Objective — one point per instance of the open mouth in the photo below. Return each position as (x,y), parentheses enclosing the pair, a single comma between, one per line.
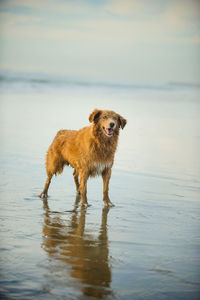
(108,131)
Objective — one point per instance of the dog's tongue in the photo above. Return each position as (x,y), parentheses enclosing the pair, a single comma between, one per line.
(110,131)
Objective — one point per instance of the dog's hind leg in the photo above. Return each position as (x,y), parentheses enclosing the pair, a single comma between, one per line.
(75,174)
(44,193)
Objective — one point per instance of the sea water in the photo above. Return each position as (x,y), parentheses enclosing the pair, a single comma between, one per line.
(147,246)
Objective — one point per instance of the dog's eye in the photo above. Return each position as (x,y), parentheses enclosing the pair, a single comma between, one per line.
(105,117)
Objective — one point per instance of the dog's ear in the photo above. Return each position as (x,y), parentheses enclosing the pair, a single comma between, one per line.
(122,122)
(94,115)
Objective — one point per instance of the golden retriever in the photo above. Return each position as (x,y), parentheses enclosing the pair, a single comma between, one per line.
(90,151)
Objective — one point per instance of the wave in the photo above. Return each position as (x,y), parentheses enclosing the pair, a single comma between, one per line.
(19,81)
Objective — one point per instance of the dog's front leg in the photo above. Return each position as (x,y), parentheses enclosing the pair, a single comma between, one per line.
(75,174)
(83,188)
(106,178)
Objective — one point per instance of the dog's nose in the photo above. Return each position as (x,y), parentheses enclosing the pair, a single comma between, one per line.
(112,125)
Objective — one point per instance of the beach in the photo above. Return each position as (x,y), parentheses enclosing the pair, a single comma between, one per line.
(147,246)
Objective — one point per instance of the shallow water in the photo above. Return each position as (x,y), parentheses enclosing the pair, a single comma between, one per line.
(147,246)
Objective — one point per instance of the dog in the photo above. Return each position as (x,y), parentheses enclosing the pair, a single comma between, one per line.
(90,151)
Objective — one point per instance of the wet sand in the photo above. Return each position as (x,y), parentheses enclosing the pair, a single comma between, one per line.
(147,246)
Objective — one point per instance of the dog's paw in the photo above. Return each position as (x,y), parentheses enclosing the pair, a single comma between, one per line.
(108,203)
(43,195)
(85,204)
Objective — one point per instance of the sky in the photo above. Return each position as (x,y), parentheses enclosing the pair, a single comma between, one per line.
(123,41)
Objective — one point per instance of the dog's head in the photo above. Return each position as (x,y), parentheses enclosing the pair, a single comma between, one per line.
(108,121)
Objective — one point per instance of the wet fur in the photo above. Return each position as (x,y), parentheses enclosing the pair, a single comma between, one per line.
(88,150)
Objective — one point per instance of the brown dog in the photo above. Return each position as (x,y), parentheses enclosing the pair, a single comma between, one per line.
(90,151)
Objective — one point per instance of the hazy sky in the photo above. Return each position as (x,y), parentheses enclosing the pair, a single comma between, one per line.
(114,40)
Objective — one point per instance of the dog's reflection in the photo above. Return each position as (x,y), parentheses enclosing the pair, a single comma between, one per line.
(86,253)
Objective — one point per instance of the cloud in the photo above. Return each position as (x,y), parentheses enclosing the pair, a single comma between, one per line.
(135,37)
(117,21)
(160,20)
(166,27)
(50,8)
(135,8)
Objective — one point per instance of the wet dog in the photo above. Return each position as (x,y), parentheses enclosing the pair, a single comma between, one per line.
(90,151)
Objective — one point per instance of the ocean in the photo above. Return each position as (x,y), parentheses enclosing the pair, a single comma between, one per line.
(147,246)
